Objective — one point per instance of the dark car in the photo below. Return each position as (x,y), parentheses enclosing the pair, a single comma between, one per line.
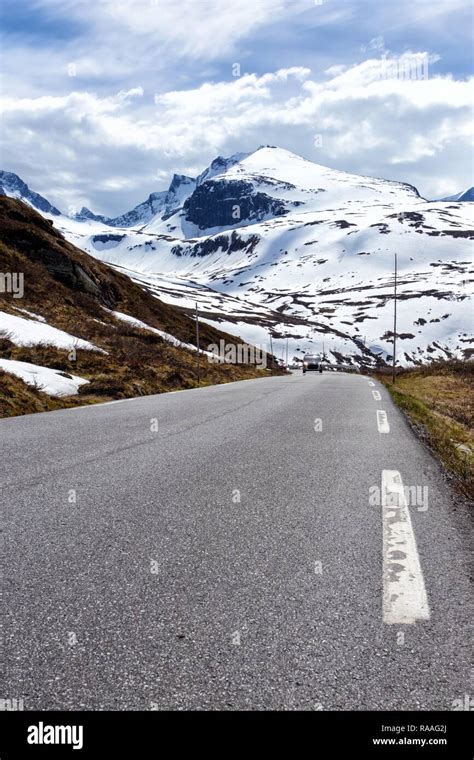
(312,363)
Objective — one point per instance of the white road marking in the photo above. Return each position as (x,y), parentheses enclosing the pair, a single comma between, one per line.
(382,421)
(118,401)
(376,395)
(162,395)
(371,383)
(100,404)
(404,593)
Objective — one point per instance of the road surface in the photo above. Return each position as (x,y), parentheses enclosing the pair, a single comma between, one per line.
(232,547)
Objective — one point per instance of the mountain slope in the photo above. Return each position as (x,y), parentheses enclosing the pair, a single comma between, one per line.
(268,183)
(80,318)
(12,186)
(162,204)
(463,197)
(271,242)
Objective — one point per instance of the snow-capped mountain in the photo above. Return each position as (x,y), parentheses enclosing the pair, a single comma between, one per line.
(465,195)
(162,205)
(249,188)
(270,243)
(85,214)
(14,187)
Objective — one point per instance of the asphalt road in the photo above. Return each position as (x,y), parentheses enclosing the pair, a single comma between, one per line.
(223,548)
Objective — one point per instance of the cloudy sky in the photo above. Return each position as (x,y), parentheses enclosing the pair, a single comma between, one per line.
(103,100)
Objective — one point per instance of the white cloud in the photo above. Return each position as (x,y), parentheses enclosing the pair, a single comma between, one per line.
(204,29)
(109,151)
(199,29)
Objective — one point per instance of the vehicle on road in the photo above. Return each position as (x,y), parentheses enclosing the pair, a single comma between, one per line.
(312,363)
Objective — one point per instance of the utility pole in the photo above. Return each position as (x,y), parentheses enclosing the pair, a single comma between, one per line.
(287,353)
(197,346)
(271,348)
(394,322)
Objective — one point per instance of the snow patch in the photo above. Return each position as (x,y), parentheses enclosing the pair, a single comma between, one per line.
(166,336)
(28,332)
(45,379)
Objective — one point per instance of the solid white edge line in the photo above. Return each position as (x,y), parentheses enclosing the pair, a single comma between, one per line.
(404,594)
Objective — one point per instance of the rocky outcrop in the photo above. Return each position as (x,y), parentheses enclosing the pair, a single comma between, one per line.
(228,203)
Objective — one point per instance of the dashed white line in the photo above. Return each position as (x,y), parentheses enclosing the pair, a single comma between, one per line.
(382,421)
(377,395)
(371,383)
(404,594)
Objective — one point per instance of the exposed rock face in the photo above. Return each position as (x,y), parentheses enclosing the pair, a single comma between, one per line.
(179,190)
(221,204)
(227,244)
(35,237)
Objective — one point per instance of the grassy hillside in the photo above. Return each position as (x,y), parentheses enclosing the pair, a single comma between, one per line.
(75,293)
(439,401)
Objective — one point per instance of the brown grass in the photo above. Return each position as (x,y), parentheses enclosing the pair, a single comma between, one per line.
(439,401)
(72,291)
